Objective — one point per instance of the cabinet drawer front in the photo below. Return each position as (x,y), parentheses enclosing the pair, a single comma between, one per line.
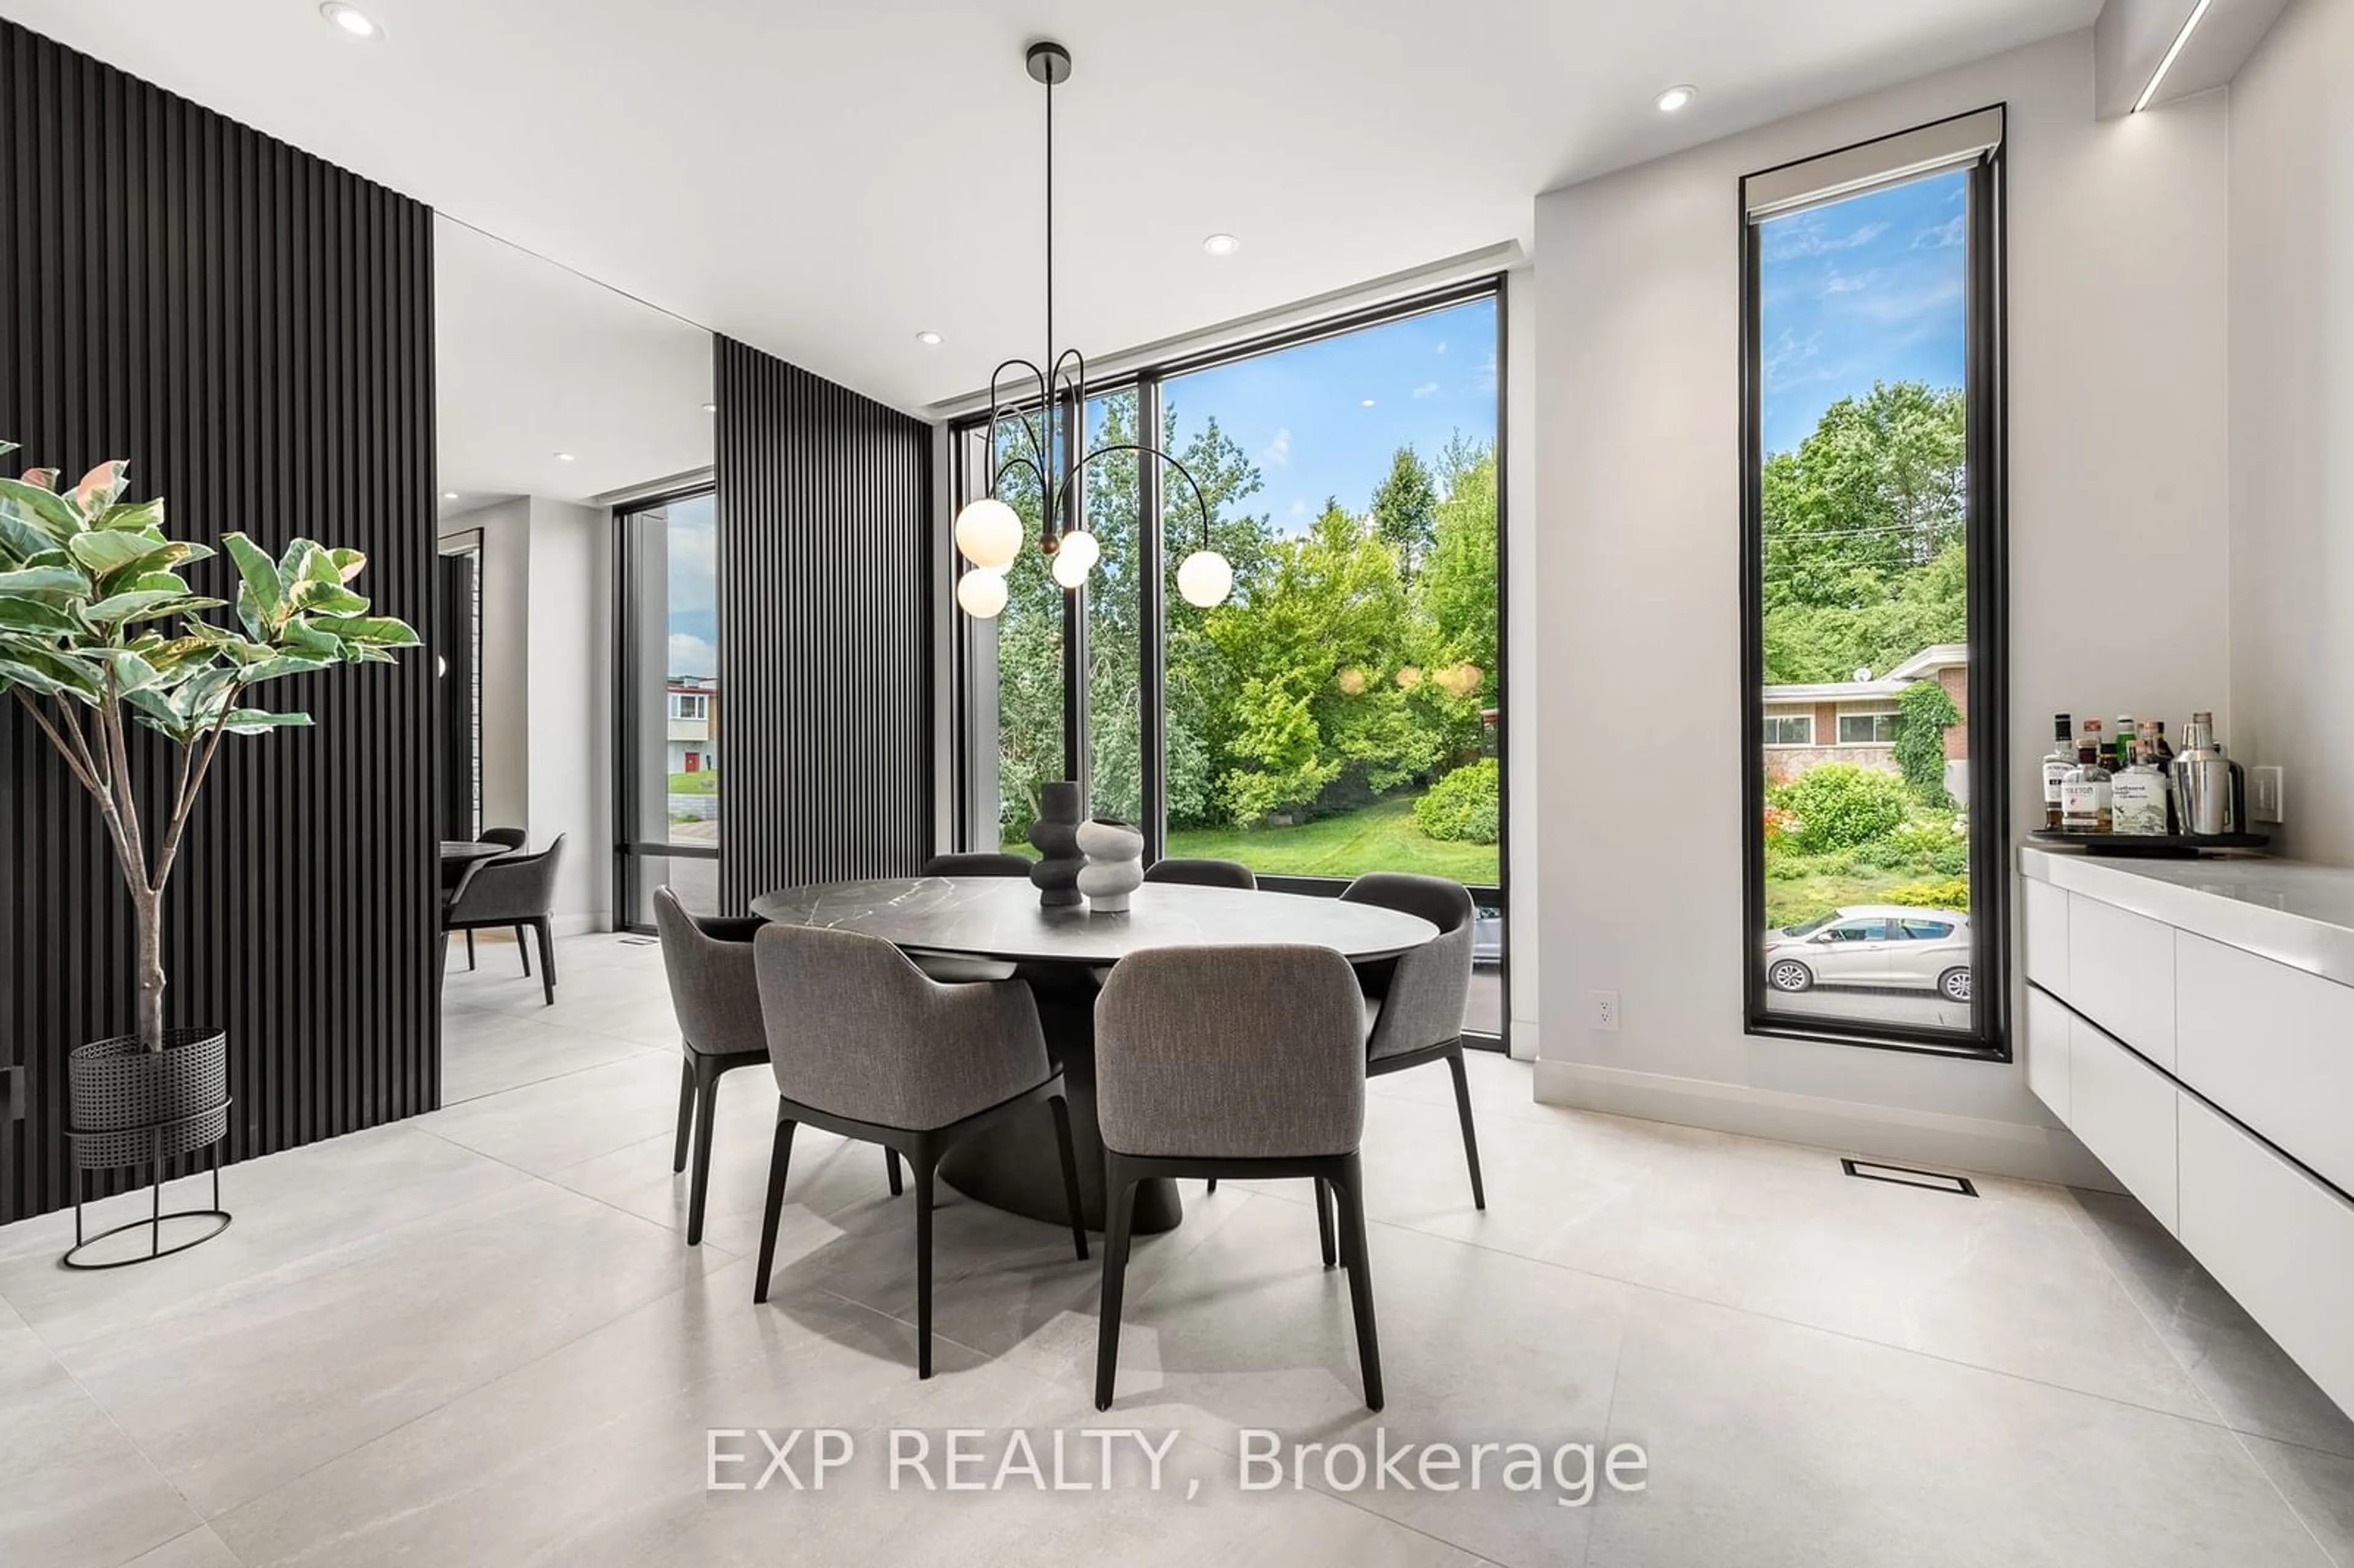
(2124,1111)
(2045,913)
(2121,974)
(2272,1045)
(2280,1242)
(2048,1029)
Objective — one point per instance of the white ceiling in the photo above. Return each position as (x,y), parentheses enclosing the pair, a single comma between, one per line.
(531,360)
(826,181)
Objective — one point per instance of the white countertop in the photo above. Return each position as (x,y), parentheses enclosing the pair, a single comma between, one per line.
(2288,911)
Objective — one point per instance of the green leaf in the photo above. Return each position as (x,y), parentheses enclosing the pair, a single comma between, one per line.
(50,672)
(146,604)
(136,514)
(326,597)
(46,508)
(131,673)
(349,564)
(100,488)
(260,575)
(255,721)
(300,636)
(35,616)
(282,664)
(106,553)
(45,580)
(383,630)
(309,561)
(20,537)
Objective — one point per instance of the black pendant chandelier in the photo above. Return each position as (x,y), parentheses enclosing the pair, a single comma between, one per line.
(1049,407)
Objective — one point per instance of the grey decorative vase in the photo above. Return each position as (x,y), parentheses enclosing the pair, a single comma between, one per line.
(129,1105)
(1055,836)
(1115,869)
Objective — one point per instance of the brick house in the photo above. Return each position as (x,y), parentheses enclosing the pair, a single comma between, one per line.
(1855,721)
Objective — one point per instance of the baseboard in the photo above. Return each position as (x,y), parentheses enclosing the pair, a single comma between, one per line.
(1523,1040)
(576,925)
(1929,1138)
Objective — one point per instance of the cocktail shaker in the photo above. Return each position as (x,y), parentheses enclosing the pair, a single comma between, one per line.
(2206,789)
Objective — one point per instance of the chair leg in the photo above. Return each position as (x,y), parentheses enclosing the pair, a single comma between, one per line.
(470,947)
(686,1112)
(1119,1196)
(707,1095)
(1070,1173)
(524,949)
(1324,1219)
(891,1163)
(1214,1184)
(923,1164)
(781,1154)
(547,959)
(1352,1195)
(1470,1138)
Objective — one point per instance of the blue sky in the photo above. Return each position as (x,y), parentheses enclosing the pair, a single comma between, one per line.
(694,596)
(1303,414)
(1869,289)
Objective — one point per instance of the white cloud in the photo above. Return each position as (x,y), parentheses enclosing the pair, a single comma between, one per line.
(1808,235)
(1426,389)
(691,655)
(1299,508)
(1945,236)
(1278,449)
(1848,282)
(1442,346)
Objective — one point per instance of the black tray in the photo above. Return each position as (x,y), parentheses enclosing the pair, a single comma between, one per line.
(2161,846)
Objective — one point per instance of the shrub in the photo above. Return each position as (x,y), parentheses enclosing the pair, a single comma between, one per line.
(1462,808)
(1924,715)
(1952,894)
(1839,806)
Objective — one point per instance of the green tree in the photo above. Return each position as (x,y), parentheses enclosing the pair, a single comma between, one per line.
(1406,510)
(1455,600)
(1924,713)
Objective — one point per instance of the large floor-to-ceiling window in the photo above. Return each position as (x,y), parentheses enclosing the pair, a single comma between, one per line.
(1342,713)
(670,747)
(1872,553)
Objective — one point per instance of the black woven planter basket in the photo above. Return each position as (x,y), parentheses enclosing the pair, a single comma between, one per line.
(128,1105)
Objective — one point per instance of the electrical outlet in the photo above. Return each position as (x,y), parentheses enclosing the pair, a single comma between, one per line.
(2264,794)
(1606,1010)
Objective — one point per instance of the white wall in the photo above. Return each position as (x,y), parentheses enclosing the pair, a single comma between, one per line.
(548,703)
(1521,672)
(2119,488)
(2292,306)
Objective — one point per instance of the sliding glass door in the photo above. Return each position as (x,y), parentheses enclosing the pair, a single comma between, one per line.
(670,747)
(1342,713)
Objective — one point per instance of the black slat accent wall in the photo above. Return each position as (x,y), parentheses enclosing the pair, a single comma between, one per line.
(826,630)
(253,329)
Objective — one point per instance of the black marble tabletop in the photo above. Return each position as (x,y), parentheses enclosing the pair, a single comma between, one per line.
(1000,917)
(467,849)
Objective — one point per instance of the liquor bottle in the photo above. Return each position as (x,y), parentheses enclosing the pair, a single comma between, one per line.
(2165,747)
(2056,765)
(2121,738)
(2137,794)
(2160,756)
(2084,803)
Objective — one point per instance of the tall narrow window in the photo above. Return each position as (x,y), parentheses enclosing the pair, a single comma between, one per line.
(671,745)
(1874,676)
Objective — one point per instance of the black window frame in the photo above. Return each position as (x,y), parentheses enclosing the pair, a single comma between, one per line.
(1148,381)
(1985,400)
(630,853)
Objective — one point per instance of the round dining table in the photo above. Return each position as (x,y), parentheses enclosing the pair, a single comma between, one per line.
(1060,953)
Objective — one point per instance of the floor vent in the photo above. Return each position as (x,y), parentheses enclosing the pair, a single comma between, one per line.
(1905,1176)
(640,942)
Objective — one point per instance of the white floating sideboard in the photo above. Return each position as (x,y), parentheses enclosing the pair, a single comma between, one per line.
(2192,1022)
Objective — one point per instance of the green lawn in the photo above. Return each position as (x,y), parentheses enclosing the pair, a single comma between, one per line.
(705,782)
(1382,837)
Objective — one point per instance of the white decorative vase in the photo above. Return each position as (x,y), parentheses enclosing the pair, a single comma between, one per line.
(1115,867)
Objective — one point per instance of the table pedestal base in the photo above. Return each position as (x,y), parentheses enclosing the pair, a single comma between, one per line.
(1014,1166)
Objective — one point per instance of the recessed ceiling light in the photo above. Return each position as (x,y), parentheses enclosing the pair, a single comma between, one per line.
(350,19)
(1221,245)
(2173,53)
(1676,97)
(563,457)
(448,495)
(928,339)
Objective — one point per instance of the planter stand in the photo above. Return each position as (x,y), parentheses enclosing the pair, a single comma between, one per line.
(156,1215)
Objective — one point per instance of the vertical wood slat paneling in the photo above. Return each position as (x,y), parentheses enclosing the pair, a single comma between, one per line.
(825,500)
(252,328)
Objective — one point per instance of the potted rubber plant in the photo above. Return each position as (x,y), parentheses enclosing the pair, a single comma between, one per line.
(99,631)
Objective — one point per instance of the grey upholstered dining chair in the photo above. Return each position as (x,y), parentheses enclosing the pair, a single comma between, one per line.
(979,864)
(505,838)
(1242,1061)
(513,890)
(864,1044)
(1415,1004)
(513,838)
(1203,872)
(716,993)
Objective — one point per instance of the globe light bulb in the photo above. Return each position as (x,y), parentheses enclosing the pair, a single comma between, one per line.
(989,531)
(1204,579)
(1071,571)
(1079,547)
(981,594)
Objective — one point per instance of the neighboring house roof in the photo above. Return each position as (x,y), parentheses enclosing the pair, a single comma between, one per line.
(1921,666)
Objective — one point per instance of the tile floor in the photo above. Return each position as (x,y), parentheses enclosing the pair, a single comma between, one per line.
(477,1338)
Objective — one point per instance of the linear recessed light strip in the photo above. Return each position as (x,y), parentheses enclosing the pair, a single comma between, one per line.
(2174,50)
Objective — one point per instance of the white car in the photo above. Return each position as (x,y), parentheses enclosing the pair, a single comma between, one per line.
(1874,944)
